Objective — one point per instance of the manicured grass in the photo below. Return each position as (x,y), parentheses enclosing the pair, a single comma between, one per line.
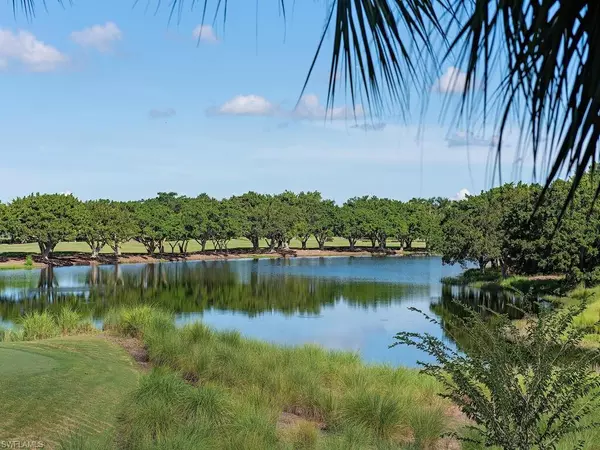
(221,391)
(136,247)
(590,318)
(52,388)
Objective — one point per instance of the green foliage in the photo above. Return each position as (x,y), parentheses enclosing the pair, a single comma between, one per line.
(28,262)
(45,325)
(11,335)
(136,321)
(43,218)
(105,222)
(229,392)
(522,388)
(39,326)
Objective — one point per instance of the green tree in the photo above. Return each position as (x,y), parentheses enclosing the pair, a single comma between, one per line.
(44,218)
(351,222)
(196,218)
(254,209)
(151,220)
(176,234)
(322,222)
(225,222)
(104,222)
(308,210)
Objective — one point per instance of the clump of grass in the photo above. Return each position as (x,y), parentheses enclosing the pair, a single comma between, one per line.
(11,335)
(68,320)
(39,325)
(384,415)
(137,320)
(230,392)
(28,262)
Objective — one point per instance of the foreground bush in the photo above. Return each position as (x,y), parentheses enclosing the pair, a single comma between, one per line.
(523,389)
(45,325)
(137,320)
(218,390)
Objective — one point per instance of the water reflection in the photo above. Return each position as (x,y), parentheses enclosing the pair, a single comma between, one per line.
(193,287)
(342,303)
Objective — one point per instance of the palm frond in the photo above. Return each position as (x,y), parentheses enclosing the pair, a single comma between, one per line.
(548,55)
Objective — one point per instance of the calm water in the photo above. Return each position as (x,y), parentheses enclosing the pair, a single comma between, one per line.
(355,304)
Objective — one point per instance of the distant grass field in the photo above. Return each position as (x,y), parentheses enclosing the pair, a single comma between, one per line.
(52,388)
(136,247)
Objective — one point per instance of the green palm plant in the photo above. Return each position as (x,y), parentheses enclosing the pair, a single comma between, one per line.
(531,62)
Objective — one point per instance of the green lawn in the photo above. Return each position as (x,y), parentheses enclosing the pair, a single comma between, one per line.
(53,388)
(136,247)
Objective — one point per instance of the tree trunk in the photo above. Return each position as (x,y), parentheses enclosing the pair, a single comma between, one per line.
(352,244)
(203,245)
(373,243)
(304,243)
(46,248)
(321,243)
(117,250)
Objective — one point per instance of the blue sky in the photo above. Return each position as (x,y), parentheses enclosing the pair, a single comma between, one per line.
(108,100)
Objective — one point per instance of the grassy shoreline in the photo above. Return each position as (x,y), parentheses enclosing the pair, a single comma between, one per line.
(217,390)
(551,288)
(194,387)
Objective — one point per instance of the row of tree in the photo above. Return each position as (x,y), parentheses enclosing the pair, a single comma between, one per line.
(174,220)
(520,229)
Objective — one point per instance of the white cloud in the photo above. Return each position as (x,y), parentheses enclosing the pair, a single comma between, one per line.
(99,37)
(247,105)
(453,80)
(461,195)
(309,108)
(25,48)
(205,33)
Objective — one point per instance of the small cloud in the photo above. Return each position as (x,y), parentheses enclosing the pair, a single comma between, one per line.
(461,195)
(461,139)
(370,126)
(453,80)
(161,113)
(99,37)
(23,47)
(309,108)
(205,33)
(247,105)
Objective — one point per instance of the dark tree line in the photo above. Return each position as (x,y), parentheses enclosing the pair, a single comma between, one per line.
(510,229)
(169,222)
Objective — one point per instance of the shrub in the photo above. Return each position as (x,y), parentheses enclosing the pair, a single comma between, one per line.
(11,335)
(522,388)
(137,320)
(68,320)
(39,326)
(28,262)
(382,414)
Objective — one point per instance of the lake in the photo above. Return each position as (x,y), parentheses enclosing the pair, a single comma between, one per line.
(355,304)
